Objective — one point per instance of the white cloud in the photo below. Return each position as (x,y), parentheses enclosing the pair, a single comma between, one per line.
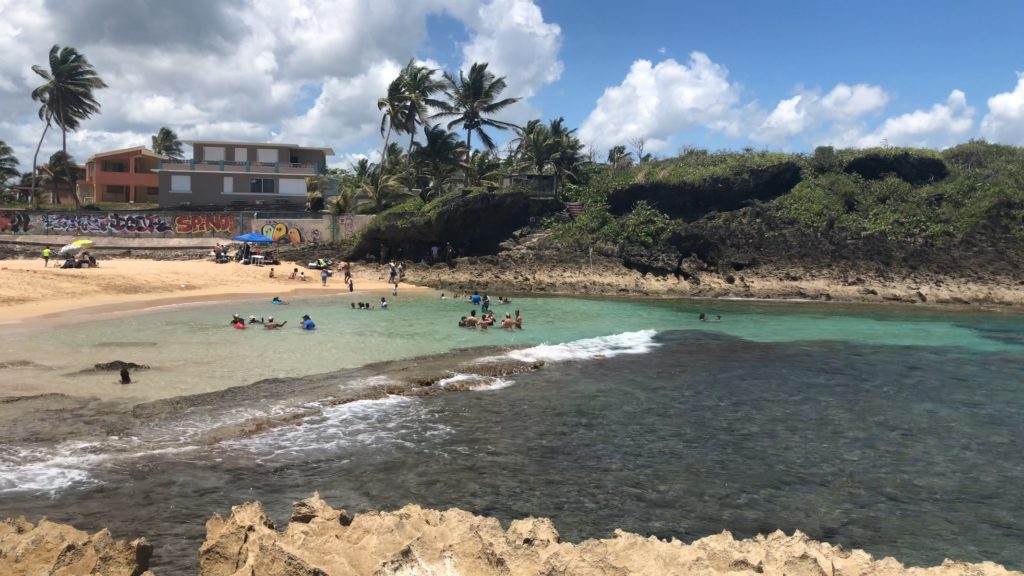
(512,36)
(658,101)
(808,110)
(1005,119)
(248,69)
(941,126)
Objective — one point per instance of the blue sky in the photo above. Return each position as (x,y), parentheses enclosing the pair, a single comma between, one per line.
(728,74)
(917,51)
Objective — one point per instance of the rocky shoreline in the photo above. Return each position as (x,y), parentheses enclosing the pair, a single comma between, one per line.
(324,541)
(525,272)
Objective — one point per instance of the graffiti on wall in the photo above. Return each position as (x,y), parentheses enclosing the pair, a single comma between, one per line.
(14,222)
(289,234)
(112,223)
(203,223)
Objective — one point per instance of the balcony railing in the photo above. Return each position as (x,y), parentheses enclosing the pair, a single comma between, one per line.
(254,167)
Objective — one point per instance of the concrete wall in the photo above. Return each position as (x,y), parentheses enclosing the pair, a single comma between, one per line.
(297,229)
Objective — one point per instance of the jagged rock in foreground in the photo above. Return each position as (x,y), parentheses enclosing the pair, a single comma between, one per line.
(61,550)
(413,541)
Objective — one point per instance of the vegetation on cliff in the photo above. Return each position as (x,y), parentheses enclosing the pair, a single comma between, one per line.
(771,206)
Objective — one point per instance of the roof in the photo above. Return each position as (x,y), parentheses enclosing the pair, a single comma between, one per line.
(326,151)
(140,149)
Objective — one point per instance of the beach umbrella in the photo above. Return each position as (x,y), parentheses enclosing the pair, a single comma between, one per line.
(83,243)
(70,249)
(253,237)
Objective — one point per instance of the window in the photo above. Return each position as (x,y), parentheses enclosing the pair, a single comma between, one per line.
(293,186)
(213,153)
(229,184)
(261,185)
(114,167)
(267,155)
(181,183)
(241,154)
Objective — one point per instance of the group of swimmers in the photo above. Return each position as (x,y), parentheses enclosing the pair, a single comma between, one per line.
(368,306)
(703,318)
(239,324)
(487,320)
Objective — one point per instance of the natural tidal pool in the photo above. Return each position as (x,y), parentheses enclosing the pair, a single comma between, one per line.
(892,429)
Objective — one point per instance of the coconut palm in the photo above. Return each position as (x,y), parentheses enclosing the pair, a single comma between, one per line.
(8,164)
(344,202)
(485,169)
(418,89)
(394,114)
(619,158)
(439,156)
(316,188)
(472,98)
(61,170)
(568,152)
(67,93)
(380,186)
(166,142)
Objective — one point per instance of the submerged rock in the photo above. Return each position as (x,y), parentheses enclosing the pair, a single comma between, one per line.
(415,541)
(50,548)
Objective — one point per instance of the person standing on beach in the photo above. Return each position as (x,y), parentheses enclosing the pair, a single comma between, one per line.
(351,286)
(46,256)
(323,277)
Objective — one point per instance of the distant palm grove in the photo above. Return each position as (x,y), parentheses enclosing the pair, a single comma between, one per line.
(438,142)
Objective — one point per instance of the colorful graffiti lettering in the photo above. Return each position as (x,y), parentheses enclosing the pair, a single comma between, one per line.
(109,223)
(285,234)
(14,222)
(203,223)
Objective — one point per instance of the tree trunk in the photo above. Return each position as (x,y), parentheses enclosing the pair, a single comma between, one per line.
(469,148)
(67,165)
(384,151)
(408,159)
(35,160)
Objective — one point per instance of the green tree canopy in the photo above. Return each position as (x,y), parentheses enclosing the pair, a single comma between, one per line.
(166,142)
(66,96)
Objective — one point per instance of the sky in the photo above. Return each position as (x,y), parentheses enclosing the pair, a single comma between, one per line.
(731,74)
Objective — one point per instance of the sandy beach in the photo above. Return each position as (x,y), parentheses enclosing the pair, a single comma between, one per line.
(27,290)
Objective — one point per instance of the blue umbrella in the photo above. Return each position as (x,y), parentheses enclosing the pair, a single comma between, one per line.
(253,237)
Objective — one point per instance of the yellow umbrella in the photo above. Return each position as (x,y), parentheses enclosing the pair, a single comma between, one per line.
(82,243)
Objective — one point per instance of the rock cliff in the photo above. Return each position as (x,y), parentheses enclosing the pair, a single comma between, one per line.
(61,550)
(321,540)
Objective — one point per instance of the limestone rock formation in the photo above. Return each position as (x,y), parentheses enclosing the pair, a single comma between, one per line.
(414,541)
(61,550)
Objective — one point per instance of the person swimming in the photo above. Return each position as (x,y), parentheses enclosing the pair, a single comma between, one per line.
(254,320)
(277,300)
(383,303)
(508,323)
(307,323)
(271,325)
(126,378)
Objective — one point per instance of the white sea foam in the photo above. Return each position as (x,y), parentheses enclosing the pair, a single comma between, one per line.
(476,382)
(49,470)
(374,422)
(639,342)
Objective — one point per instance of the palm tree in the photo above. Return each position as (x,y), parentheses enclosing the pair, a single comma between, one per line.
(166,142)
(472,98)
(619,158)
(344,202)
(379,186)
(394,114)
(567,152)
(67,93)
(316,188)
(60,170)
(8,164)
(485,169)
(418,89)
(439,155)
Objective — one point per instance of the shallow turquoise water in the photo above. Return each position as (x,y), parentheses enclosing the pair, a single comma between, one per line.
(192,348)
(893,429)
